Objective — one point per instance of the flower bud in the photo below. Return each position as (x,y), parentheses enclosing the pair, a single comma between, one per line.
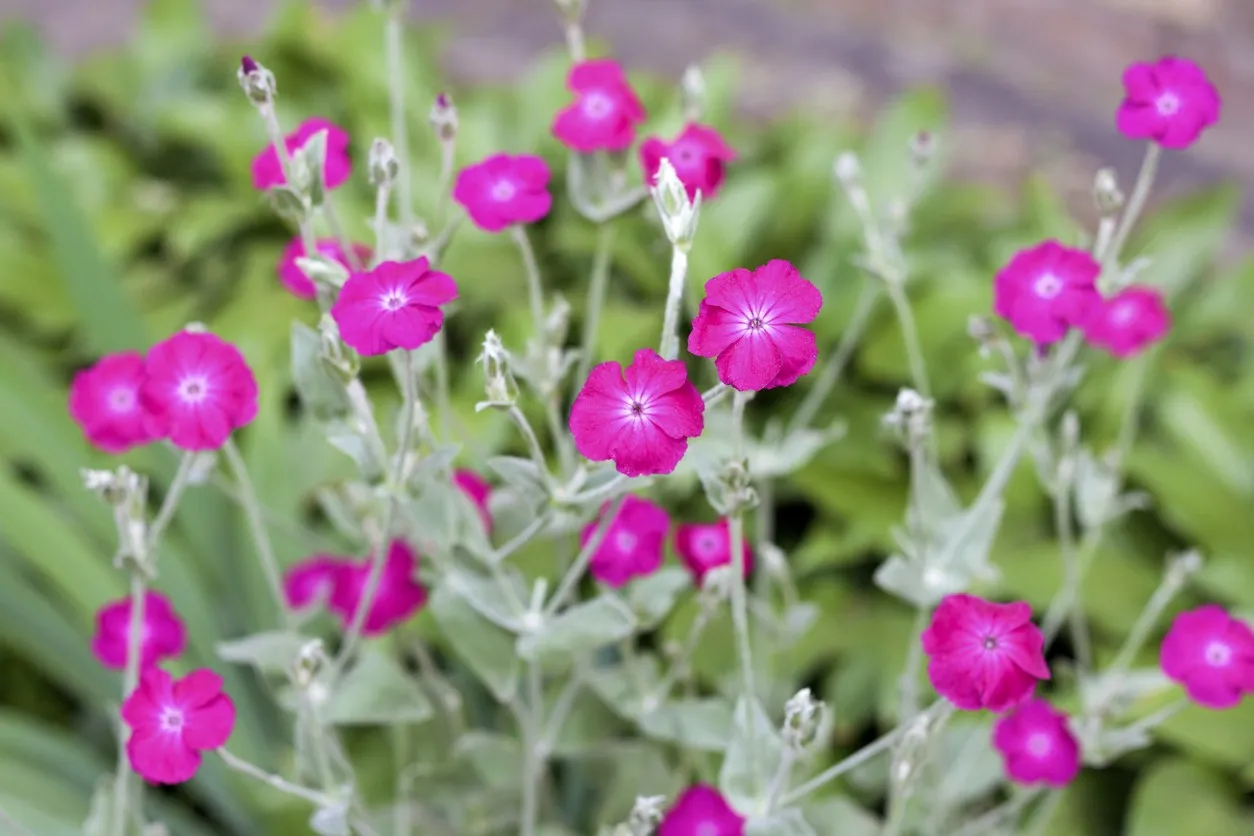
(382,163)
(256,81)
(646,814)
(116,487)
(309,662)
(1183,566)
(499,385)
(802,714)
(1106,193)
(693,93)
(443,118)
(679,215)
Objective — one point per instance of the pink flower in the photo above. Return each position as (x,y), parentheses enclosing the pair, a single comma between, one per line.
(1047,289)
(398,596)
(478,489)
(1037,746)
(197,390)
(634,544)
(1170,102)
(503,191)
(395,305)
(294,278)
(104,401)
(268,170)
(173,721)
(705,546)
(984,655)
(312,581)
(701,811)
(1211,654)
(1129,321)
(605,112)
(698,155)
(163,634)
(642,423)
(747,322)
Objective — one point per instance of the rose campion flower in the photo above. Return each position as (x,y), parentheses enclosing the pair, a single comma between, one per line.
(701,811)
(699,156)
(705,546)
(1128,322)
(1047,289)
(104,402)
(640,418)
(164,636)
(605,112)
(197,390)
(173,721)
(984,655)
(748,323)
(268,169)
(634,544)
(1211,654)
(478,489)
(398,596)
(294,278)
(503,191)
(1036,746)
(1169,102)
(312,581)
(395,305)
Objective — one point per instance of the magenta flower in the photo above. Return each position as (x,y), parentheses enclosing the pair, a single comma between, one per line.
(163,634)
(984,655)
(395,305)
(1170,102)
(311,582)
(104,402)
(198,389)
(605,112)
(1036,745)
(1047,289)
(1211,654)
(748,323)
(398,596)
(633,545)
(294,278)
(699,155)
(268,169)
(1128,322)
(503,191)
(643,422)
(701,811)
(705,546)
(173,721)
(478,489)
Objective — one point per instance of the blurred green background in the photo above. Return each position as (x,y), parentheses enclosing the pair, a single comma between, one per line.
(126,211)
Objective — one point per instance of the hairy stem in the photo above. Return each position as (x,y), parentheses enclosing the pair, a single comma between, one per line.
(835,367)
(533,758)
(257,528)
(534,292)
(739,594)
(910,335)
(393,34)
(674,301)
(576,571)
(858,758)
(284,786)
(130,679)
(597,288)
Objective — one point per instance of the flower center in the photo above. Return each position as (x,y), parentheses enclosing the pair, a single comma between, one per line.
(625,541)
(1168,104)
(707,828)
(637,409)
(393,300)
(1047,286)
(596,105)
(193,389)
(1038,745)
(1218,654)
(171,719)
(707,544)
(1123,314)
(503,190)
(990,642)
(685,155)
(122,400)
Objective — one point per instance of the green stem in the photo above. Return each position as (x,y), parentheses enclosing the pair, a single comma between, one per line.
(674,300)
(857,759)
(1072,586)
(1136,204)
(534,450)
(596,299)
(257,527)
(1167,590)
(1040,819)
(1000,814)
(393,34)
(910,676)
(910,335)
(533,759)
(679,665)
(780,779)
(339,233)
(739,596)
(534,292)
(835,367)
(130,680)
(382,198)
(243,767)
(576,571)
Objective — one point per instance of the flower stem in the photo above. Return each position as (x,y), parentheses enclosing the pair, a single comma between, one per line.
(130,679)
(674,301)
(534,292)
(739,595)
(533,442)
(243,767)
(910,335)
(1136,204)
(1167,589)
(1002,813)
(1072,587)
(170,504)
(338,231)
(257,527)
(780,779)
(910,675)
(393,35)
(835,367)
(533,758)
(858,758)
(577,569)
(596,298)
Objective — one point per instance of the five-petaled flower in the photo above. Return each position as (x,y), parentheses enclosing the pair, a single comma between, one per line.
(1169,102)
(295,279)
(984,655)
(705,546)
(640,418)
(701,811)
(1128,322)
(634,542)
(104,402)
(503,191)
(197,390)
(162,635)
(173,721)
(268,168)
(398,595)
(699,155)
(748,323)
(1211,654)
(1045,290)
(395,305)
(1036,746)
(605,112)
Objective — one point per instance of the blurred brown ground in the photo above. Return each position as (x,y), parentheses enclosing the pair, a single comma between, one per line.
(1033,83)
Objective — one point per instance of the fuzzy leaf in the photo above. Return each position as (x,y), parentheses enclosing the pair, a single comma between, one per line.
(581,629)
(377,691)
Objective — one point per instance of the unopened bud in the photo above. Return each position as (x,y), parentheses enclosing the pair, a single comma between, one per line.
(382,163)
(1106,193)
(716,585)
(802,714)
(848,170)
(116,487)
(499,385)
(1183,566)
(692,90)
(679,214)
(309,663)
(256,81)
(646,813)
(557,324)
(443,117)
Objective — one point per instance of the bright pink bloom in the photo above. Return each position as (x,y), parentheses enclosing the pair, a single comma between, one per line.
(398,596)
(268,170)
(1047,289)
(1036,745)
(705,546)
(747,323)
(698,155)
(163,634)
(198,389)
(478,489)
(173,721)
(395,305)
(312,581)
(1129,321)
(633,546)
(503,191)
(104,402)
(294,278)
(984,655)
(1211,654)
(701,811)
(1170,102)
(642,423)
(605,112)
